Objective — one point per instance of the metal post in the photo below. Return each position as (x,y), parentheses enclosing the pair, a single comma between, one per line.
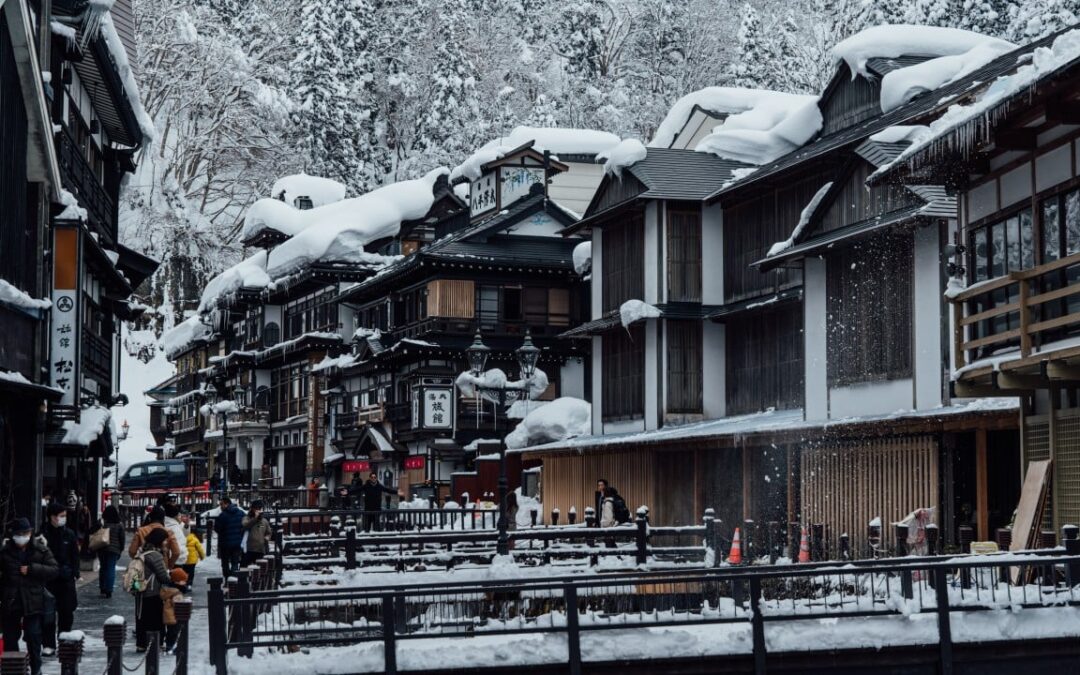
(641,539)
(941,592)
(243,611)
(1070,535)
(757,624)
(503,547)
(571,517)
(225,443)
(532,517)
(817,546)
(15,662)
(710,540)
(183,616)
(967,535)
(748,541)
(901,532)
(932,537)
(153,652)
(69,654)
(845,547)
(350,549)
(215,620)
(554,517)
(573,632)
(115,632)
(389,635)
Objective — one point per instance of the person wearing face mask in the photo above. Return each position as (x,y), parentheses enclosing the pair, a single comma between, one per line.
(64,545)
(26,565)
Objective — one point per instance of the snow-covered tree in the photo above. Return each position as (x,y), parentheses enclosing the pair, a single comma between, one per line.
(1033,19)
(750,66)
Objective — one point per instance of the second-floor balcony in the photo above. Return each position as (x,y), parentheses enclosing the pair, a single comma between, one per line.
(81,180)
(242,422)
(1020,322)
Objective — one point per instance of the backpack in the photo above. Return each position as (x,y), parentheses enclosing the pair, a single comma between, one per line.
(620,510)
(135,575)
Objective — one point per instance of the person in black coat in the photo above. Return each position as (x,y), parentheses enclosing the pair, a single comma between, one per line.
(371,494)
(26,565)
(64,544)
(229,527)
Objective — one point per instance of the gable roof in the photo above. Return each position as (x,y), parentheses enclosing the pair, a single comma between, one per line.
(921,107)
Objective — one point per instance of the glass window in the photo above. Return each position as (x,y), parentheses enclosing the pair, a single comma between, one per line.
(997,250)
(1012,251)
(1072,222)
(1051,229)
(512,304)
(488,306)
(1027,241)
(981,260)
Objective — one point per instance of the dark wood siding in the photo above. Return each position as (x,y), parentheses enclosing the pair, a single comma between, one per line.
(623,367)
(623,260)
(765,360)
(616,191)
(684,367)
(124,21)
(750,230)
(849,101)
(855,202)
(684,253)
(869,306)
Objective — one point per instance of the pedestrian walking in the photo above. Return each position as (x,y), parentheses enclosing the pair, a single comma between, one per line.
(176,529)
(372,492)
(313,494)
(257,533)
(26,565)
(155,520)
(195,551)
(109,554)
(149,607)
(598,497)
(229,527)
(64,544)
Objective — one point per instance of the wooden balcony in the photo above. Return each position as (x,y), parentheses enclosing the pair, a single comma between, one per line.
(80,179)
(354,419)
(1018,332)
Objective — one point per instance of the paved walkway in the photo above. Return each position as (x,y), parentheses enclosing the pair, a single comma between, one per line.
(94,610)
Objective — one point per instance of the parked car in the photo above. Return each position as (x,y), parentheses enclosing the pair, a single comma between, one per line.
(166,473)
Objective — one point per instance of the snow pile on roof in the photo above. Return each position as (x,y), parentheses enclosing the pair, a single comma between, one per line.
(804,219)
(248,273)
(555,140)
(338,232)
(768,124)
(889,41)
(328,362)
(468,383)
(10,295)
(91,425)
(1044,61)
(219,408)
(628,152)
(183,334)
(321,191)
(632,311)
(519,409)
(900,133)
(716,100)
(901,85)
(131,89)
(583,258)
(563,418)
(72,209)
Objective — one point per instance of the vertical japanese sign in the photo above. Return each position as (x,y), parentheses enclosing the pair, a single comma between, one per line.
(438,408)
(482,197)
(64,320)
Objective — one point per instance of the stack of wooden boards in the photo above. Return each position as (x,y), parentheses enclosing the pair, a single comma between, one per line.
(1031,509)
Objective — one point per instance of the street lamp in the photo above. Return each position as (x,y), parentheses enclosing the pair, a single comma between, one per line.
(124,429)
(210,393)
(527,355)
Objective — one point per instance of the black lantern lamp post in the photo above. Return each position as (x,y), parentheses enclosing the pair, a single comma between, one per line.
(527,355)
(212,397)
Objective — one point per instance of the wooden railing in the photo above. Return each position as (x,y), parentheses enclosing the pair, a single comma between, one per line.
(1026,287)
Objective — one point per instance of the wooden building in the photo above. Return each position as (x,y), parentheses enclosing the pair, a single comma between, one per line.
(1012,163)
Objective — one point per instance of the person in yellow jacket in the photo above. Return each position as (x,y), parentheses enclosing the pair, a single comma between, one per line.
(195,552)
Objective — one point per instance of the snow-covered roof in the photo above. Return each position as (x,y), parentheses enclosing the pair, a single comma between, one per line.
(716,100)
(183,335)
(10,295)
(248,273)
(583,258)
(553,139)
(321,191)
(769,125)
(893,40)
(804,220)
(1044,62)
(627,152)
(558,420)
(632,311)
(339,232)
(131,88)
(92,424)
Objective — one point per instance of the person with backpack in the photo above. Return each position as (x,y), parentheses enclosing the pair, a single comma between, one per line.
(26,565)
(64,544)
(229,527)
(109,547)
(147,572)
(155,520)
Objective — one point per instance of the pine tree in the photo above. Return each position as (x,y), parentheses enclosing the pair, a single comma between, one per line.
(453,101)
(989,17)
(944,13)
(750,65)
(1033,19)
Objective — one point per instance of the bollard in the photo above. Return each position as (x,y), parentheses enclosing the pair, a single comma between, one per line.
(641,538)
(1070,535)
(748,541)
(533,514)
(845,546)
(15,663)
(69,652)
(901,534)
(115,632)
(933,535)
(182,608)
(817,542)
(1003,536)
(1047,539)
(793,538)
(153,652)
(873,538)
(554,517)
(966,534)
(350,549)
(707,521)
(572,516)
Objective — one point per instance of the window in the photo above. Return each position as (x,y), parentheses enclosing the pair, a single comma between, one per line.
(290,387)
(1006,246)
(536,306)
(764,361)
(511,304)
(684,367)
(317,312)
(488,307)
(623,261)
(684,255)
(869,308)
(623,365)
(559,306)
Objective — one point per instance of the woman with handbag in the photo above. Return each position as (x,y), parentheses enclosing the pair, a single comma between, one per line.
(108,542)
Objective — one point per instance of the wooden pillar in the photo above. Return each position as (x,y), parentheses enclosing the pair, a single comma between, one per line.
(1052,424)
(982,500)
(747,472)
(792,486)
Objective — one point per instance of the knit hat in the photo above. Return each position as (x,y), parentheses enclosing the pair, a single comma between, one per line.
(178,576)
(21,525)
(55,509)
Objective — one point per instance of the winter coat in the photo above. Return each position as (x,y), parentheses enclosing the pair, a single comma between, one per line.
(229,526)
(64,545)
(169,596)
(176,529)
(137,542)
(607,513)
(117,537)
(25,594)
(259,533)
(195,550)
(157,572)
(372,494)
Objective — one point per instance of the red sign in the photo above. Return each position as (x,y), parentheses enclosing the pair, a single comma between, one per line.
(414,462)
(356,466)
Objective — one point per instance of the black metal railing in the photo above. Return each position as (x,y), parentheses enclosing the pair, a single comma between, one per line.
(743,599)
(79,177)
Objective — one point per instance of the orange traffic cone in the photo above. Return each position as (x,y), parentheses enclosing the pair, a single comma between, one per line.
(804,548)
(735,554)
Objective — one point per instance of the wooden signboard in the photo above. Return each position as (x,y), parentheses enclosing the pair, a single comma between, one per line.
(1029,511)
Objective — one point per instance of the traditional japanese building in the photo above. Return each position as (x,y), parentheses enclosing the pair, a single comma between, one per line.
(1009,153)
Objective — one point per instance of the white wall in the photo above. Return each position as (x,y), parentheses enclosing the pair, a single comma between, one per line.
(572,376)
(927,318)
(714,370)
(653,231)
(870,398)
(574,189)
(815,323)
(712,255)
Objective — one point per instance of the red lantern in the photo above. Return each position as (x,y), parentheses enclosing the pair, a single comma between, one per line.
(356,466)
(415,462)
